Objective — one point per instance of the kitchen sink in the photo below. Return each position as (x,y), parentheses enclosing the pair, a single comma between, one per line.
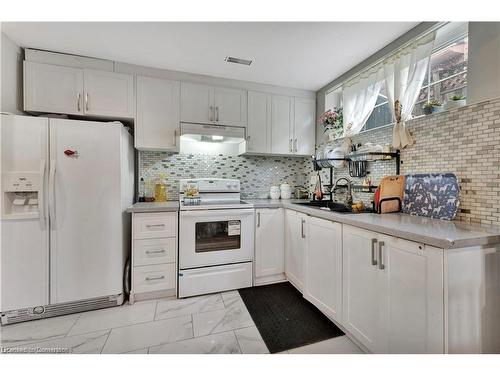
(333,206)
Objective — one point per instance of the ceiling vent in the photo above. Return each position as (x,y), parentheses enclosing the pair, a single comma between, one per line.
(236,60)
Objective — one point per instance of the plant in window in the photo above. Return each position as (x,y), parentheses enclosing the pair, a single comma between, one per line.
(432,106)
(333,123)
(455,101)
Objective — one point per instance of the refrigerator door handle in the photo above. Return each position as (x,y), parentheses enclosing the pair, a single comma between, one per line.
(41,196)
(52,194)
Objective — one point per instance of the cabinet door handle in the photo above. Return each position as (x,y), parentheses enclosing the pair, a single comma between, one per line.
(155,278)
(175,138)
(258,219)
(217,114)
(154,225)
(210,113)
(380,255)
(295,145)
(155,251)
(374,260)
(78,106)
(87,101)
(290,145)
(303,235)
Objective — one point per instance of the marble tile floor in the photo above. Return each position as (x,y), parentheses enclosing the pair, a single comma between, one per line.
(215,323)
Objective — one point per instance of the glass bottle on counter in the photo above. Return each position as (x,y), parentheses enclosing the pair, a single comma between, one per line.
(142,190)
(161,188)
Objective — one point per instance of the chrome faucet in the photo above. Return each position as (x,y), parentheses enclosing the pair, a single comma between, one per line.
(349,189)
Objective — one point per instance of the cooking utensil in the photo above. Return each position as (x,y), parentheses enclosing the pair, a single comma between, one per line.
(357,168)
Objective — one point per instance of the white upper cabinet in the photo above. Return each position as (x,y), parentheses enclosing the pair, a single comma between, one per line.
(323,266)
(279,124)
(197,103)
(108,94)
(282,124)
(230,107)
(269,245)
(52,88)
(295,244)
(75,91)
(304,126)
(157,125)
(203,104)
(259,122)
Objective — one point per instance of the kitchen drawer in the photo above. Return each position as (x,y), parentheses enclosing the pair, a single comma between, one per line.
(154,251)
(155,225)
(154,278)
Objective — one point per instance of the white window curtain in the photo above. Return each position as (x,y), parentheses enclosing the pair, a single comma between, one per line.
(404,75)
(360,96)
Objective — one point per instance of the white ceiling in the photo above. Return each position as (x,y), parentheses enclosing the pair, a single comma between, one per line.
(304,55)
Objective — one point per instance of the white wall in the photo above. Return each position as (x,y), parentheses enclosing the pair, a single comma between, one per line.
(11,78)
(483,77)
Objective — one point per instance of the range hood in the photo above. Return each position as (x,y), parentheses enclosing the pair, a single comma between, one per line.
(212,133)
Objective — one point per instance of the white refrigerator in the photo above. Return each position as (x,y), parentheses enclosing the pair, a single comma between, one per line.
(64,230)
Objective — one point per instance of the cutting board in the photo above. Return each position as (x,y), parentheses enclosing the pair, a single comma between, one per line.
(433,195)
(391,187)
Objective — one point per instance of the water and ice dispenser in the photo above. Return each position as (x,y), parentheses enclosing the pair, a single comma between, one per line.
(21,194)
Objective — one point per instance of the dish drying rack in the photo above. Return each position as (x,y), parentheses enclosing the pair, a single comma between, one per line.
(320,164)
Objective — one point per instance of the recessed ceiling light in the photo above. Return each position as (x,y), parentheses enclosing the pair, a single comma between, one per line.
(236,60)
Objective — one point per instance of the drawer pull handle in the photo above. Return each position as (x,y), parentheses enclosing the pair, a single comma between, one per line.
(155,278)
(380,255)
(374,260)
(154,225)
(155,251)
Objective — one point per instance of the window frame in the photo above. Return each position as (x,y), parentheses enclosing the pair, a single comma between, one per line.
(426,86)
(439,49)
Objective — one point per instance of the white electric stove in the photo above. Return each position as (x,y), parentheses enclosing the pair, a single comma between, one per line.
(216,237)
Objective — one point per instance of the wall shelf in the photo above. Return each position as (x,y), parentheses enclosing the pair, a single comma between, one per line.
(320,164)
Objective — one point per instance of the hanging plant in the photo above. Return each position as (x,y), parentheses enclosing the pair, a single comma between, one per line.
(333,123)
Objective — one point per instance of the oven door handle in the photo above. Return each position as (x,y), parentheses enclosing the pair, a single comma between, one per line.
(218,213)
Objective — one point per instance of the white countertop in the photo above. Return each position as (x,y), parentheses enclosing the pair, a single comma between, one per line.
(154,207)
(434,232)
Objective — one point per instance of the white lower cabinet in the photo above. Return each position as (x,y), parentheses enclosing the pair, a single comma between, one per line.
(393,293)
(361,296)
(295,243)
(154,255)
(412,296)
(269,245)
(323,266)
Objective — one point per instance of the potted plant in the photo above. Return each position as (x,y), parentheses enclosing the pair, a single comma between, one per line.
(456,101)
(432,106)
(333,123)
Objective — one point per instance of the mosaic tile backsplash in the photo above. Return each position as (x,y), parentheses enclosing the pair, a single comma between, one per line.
(464,141)
(256,173)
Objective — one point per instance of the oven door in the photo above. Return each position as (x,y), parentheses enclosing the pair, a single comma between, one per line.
(215,237)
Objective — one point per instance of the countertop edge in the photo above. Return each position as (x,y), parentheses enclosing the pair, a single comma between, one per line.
(140,207)
(351,220)
(482,240)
